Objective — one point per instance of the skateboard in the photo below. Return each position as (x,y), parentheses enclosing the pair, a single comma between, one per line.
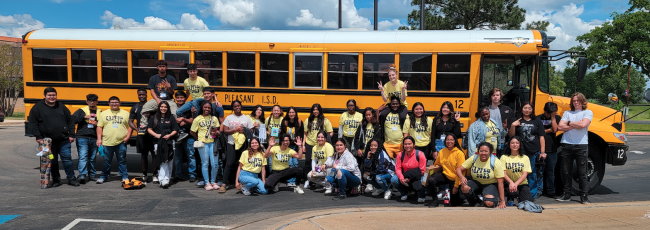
(46,162)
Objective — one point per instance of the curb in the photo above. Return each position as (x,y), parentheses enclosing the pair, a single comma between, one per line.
(638,133)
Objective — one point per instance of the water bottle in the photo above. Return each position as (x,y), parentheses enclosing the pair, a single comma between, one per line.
(446,199)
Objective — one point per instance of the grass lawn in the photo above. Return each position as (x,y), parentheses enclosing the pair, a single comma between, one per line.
(645,116)
(637,127)
(17,116)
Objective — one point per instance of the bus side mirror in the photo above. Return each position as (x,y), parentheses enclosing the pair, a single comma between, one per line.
(582,68)
(612,98)
(646,95)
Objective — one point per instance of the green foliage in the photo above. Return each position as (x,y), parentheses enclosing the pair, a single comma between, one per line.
(11,77)
(467,14)
(557,83)
(612,79)
(537,25)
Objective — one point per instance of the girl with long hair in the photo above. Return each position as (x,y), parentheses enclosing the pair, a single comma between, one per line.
(322,153)
(274,122)
(344,170)
(532,133)
(162,128)
(446,121)
(205,128)
(410,166)
(313,125)
(393,88)
(419,126)
(257,117)
(368,130)
(378,168)
(449,158)
(517,169)
(292,126)
(251,163)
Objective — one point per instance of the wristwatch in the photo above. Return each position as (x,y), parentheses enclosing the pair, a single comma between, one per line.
(568,123)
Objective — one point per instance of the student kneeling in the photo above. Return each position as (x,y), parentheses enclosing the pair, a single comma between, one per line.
(343,168)
(281,155)
(251,163)
(487,178)
(411,165)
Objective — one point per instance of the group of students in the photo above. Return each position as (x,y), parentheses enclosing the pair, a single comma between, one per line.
(374,151)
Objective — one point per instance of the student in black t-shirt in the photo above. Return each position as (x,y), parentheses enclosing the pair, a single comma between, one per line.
(531,131)
(444,123)
(144,142)
(162,87)
(551,121)
(163,127)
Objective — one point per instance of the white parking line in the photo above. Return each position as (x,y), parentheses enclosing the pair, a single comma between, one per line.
(76,221)
(637,152)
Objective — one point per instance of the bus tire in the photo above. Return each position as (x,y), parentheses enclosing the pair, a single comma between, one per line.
(595,171)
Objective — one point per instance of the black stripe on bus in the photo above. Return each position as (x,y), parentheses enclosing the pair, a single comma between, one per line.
(258,90)
(228,107)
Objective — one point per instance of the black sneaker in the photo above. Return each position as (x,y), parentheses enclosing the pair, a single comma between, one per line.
(176,179)
(55,183)
(433,204)
(563,197)
(584,199)
(73,181)
(192,179)
(339,197)
(182,136)
(82,180)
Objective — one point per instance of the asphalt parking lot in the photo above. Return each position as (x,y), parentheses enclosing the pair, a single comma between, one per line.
(108,206)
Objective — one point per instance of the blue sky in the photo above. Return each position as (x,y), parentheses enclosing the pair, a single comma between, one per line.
(569,19)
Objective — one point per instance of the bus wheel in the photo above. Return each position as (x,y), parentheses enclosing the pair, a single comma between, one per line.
(595,171)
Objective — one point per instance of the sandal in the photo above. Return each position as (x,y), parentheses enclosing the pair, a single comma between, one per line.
(208,186)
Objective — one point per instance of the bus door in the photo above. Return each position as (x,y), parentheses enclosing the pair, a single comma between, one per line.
(512,74)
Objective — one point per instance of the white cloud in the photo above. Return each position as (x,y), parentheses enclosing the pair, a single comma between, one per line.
(547,5)
(289,14)
(255,28)
(188,22)
(566,25)
(387,25)
(389,9)
(18,25)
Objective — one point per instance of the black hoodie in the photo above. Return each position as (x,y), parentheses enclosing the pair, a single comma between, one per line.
(54,122)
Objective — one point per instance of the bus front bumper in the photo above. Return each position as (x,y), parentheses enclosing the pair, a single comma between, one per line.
(617,154)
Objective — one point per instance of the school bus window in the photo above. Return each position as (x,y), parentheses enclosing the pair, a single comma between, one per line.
(274,70)
(114,66)
(84,65)
(308,70)
(416,69)
(177,64)
(50,64)
(544,79)
(241,69)
(453,72)
(342,71)
(209,65)
(144,65)
(375,68)
(497,71)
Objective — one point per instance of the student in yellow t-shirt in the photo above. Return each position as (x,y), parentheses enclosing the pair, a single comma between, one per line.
(517,168)
(251,163)
(349,123)
(193,86)
(274,122)
(487,178)
(392,123)
(482,130)
(280,158)
(204,128)
(418,126)
(449,159)
(322,152)
(113,133)
(313,125)
(394,88)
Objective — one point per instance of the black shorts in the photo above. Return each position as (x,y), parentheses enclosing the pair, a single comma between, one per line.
(144,144)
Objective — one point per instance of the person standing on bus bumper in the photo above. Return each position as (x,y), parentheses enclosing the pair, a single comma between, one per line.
(50,118)
(500,113)
(575,145)
(550,119)
(86,120)
(162,88)
(394,88)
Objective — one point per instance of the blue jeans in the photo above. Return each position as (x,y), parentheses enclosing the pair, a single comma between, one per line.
(184,147)
(346,180)
(381,181)
(120,154)
(87,149)
(403,190)
(532,177)
(188,106)
(549,173)
(251,181)
(61,148)
(208,160)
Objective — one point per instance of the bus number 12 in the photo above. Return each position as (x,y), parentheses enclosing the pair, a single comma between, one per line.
(459,106)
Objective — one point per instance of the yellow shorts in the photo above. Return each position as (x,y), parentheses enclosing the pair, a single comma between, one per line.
(393,150)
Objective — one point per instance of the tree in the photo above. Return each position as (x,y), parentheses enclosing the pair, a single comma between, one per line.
(557,82)
(11,77)
(537,25)
(625,39)
(467,14)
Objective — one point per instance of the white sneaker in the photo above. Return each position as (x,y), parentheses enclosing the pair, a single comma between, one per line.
(276,188)
(245,190)
(377,192)
(155,180)
(441,194)
(306,184)
(387,195)
(368,189)
(420,200)
(328,189)
(298,190)
(404,197)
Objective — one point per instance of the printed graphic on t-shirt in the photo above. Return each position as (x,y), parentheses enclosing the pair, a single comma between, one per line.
(315,127)
(320,154)
(255,162)
(284,158)
(234,124)
(353,124)
(527,132)
(481,173)
(194,89)
(493,129)
(369,135)
(161,87)
(115,119)
(546,122)
(204,123)
(392,120)
(515,167)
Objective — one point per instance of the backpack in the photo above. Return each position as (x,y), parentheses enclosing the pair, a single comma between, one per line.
(465,140)
(417,157)
(492,159)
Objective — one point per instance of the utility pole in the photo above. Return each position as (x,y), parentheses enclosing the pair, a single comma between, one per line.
(375,23)
(421,14)
(340,13)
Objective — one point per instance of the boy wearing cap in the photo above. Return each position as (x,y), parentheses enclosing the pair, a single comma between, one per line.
(550,120)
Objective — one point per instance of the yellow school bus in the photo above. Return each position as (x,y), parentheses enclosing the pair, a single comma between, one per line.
(300,68)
